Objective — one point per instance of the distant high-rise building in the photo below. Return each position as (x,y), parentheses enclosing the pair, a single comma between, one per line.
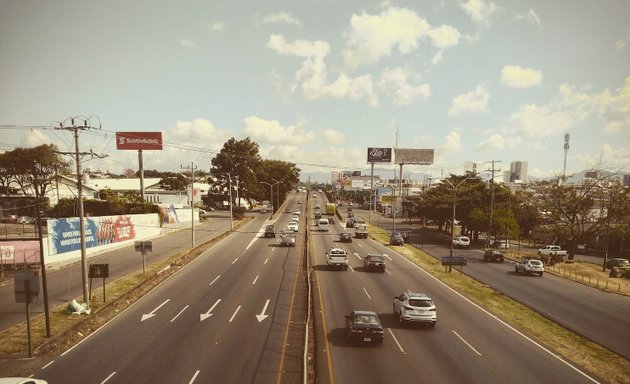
(518,171)
(626,180)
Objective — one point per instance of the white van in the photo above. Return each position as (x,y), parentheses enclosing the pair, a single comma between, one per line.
(322,224)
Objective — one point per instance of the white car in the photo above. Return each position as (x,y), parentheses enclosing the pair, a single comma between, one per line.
(415,307)
(295,218)
(531,266)
(461,241)
(293,226)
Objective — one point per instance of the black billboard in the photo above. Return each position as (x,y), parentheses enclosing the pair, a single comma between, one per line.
(379,155)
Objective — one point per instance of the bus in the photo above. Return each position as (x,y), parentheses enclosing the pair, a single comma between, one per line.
(330,208)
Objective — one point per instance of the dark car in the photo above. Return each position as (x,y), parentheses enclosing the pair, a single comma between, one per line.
(364,326)
(619,263)
(374,263)
(270,230)
(493,255)
(331,220)
(396,239)
(350,223)
(345,237)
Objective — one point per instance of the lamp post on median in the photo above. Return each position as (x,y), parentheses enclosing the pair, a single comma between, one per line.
(277,184)
(230,196)
(271,192)
(454,204)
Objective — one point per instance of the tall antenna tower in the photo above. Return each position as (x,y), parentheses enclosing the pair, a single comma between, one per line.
(567,137)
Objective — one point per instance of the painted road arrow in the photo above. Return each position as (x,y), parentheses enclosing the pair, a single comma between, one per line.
(262,315)
(152,313)
(204,316)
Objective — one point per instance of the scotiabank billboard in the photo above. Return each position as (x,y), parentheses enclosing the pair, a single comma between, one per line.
(379,155)
(139,140)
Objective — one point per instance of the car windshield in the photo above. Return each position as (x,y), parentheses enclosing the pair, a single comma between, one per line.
(422,303)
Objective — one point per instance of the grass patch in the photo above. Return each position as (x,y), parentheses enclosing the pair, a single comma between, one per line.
(595,359)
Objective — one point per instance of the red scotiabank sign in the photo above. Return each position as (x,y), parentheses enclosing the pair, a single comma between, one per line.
(139,140)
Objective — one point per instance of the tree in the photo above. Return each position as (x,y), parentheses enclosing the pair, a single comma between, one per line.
(174,182)
(32,168)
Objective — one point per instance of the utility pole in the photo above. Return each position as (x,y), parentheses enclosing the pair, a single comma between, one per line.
(492,170)
(192,200)
(77,154)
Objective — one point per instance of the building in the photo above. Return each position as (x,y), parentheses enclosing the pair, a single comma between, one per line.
(517,172)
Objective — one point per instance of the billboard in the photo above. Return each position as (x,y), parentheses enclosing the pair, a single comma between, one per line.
(414,156)
(139,140)
(379,155)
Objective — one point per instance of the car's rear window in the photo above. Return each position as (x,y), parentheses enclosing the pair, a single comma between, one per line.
(375,258)
(536,262)
(422,303)
(366,319)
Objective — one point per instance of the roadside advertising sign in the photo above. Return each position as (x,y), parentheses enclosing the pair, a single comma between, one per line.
(379,155)
(414,156)
(139,140)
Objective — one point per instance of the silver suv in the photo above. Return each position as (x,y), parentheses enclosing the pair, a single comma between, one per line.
(531,266)
(415,307)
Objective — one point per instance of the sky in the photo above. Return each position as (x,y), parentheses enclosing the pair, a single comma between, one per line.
(317,82)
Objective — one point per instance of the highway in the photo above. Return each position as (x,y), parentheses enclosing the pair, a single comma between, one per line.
(468,344)
(597,315)
(233,315)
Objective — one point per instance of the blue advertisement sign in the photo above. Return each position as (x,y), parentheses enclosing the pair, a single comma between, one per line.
(66,235)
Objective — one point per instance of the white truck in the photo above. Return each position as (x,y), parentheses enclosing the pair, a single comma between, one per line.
(551,254)
(337,257)
(360,231)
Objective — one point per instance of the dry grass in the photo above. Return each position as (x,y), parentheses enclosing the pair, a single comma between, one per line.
(590,356)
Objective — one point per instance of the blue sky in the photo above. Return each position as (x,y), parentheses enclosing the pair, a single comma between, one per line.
(318,82)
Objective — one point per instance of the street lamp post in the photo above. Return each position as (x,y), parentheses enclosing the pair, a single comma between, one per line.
(455,187)
(277,184)
(230,197)
(271,193)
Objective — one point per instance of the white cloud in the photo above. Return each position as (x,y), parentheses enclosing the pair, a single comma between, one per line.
(197,130)
(394,82)
(271,131)
(621,44)
(437,58)
(300,48)
(444,36)
(493,143)
(333,137)
(216,26)
(372,37)
(479,11)
(538,122)
(187,43)
(452,144)
(517,77)
(531,17)
(473,102)
(282,17)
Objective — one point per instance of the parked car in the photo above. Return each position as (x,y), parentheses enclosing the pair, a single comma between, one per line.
(345,237)
(416,307)
(270,230)
(396,239)
(618,262)
(530,266)
(461,242)
(493,255)
(24,220)
(374,262)
(364,326)
(503,243)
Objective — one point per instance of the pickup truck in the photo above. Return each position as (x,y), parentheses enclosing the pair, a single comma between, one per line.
(551,254)
(360,231)
(337,257)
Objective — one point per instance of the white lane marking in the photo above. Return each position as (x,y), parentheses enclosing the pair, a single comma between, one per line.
(215,280)
(255,280)
(396,340)
(204,316)
(49,364)
(357,255)
(387,256)
(108,377)
(192,380)
(467,343)
(234,261)
(180,312)
(262,315)
(387,271)
(152,313)
(352,269)
(234,314)
(562,360)
(266,260)
(366,292)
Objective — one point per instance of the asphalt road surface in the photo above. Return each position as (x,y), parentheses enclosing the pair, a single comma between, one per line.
(602,317)
(230,316)
(468,344)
